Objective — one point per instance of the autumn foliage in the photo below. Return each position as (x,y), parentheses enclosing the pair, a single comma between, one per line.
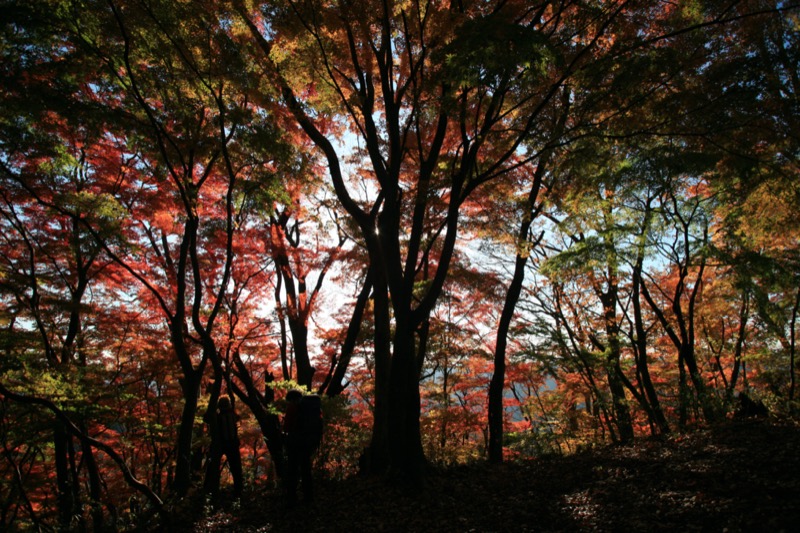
(481,230)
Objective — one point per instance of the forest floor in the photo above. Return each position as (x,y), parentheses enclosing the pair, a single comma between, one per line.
(738,476)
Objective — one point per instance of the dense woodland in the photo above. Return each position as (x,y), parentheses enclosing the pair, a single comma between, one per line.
(484,231)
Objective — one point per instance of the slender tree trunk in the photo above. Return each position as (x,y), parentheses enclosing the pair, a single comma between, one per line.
(684,395)
(267,421)
(334,383)
(684,342)
(446,397)
(642,366)
(793,345)
(213,459)
(699,384)
(66,426)
(64,481)
(621,409)
(619,402)
(524,245)
(95,486)
(739,348)
(20,488)
(284,341)
(610,300)
(497,383)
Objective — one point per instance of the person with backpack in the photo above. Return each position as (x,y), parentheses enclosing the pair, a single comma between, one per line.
(225,441)
(302,426)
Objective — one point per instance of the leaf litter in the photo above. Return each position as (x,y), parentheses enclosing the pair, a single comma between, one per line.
(735,477)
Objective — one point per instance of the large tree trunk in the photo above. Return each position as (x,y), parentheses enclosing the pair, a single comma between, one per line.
(303,368)
(406,456)
(378,453)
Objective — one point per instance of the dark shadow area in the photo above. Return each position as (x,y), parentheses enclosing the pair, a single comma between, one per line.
(738,476)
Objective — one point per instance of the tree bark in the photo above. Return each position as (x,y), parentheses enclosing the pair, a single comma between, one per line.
(259,405)
(642,367)
(406,456)
(334,383)
(190,384)
(64,481)
(524,245)
(497,383)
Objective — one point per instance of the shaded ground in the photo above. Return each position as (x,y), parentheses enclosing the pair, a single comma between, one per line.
(741,476)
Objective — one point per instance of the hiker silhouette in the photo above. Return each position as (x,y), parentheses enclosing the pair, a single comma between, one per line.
(302,426)
(225,442)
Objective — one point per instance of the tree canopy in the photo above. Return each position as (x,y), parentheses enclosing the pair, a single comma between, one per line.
(481,230)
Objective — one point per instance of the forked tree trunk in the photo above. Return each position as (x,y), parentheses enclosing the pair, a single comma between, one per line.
(642,366)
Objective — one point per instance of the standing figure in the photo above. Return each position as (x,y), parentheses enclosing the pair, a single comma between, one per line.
(225,441)
(271,426)
(303,429)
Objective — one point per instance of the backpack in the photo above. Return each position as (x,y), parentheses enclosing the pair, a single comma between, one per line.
(310,411)
(227,427)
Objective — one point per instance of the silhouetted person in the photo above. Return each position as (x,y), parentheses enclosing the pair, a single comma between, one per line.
(303,430)
(271,426)
(225,442)
(749,408)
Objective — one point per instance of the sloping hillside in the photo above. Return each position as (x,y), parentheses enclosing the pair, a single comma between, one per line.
(740,476)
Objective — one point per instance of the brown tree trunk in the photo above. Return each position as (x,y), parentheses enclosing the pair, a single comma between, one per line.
(793,346)
(259,406)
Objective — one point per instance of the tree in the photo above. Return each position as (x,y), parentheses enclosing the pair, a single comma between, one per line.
(439,113)
(526,239)
(293,266)
(455,373)
(184,158)
(757,184)
(49,262)
(180,182)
